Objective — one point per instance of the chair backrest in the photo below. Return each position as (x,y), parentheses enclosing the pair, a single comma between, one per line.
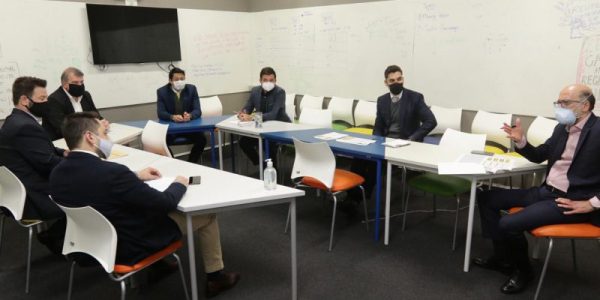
(365,113)
(314,160)
(341,109)
(88,231)
(311,102)
(12,193)
(540,130)
(446,118)
(154,138)
(317,117)
(211,106)
(462,141)
(491,125)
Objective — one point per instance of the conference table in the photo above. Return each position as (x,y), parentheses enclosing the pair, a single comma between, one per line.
(373,152)
(206,123)
(234,126)
(427,157)
(118,133)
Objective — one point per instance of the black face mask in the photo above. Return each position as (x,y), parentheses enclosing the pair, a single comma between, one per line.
(76,90)
(37,109)
(396,88)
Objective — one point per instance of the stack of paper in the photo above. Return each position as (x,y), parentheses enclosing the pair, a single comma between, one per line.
(476,164)
(395,143)
(331,136)
(160,184)
(355,141)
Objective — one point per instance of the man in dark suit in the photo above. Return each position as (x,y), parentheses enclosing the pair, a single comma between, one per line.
(401,114)
(179,102)
(69,98)
(139,213)
(268,99)
(569,194)
(26,150)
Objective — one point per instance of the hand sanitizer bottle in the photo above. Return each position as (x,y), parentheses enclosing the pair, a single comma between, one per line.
(270,176)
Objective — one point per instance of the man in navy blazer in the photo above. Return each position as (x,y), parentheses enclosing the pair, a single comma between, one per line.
(569,194)
(70,97)
(179,102)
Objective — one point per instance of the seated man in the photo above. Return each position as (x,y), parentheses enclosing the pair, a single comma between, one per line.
(27,151)
(69,98)
(569,194)
(139,213)
(269,99)
(401,114)
(179,102)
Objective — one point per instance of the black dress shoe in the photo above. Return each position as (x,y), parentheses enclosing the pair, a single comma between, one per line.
(494,264)
(517,282)
(226,281)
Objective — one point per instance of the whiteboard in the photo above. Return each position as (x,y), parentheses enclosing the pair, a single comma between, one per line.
(42,38)
(500,56)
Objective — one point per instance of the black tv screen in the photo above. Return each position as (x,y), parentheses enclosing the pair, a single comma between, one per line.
(130,34)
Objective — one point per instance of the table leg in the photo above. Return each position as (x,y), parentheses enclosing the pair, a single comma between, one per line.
(377,199)
(260,158)
(293,246)
(213,157)
(220,138)
(470,225)
(388,198)
(192,257)
(232,146)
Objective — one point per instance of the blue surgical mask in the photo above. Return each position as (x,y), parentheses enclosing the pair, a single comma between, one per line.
(564,116)
(105,147)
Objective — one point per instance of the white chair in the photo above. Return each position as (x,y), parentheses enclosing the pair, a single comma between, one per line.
(154,138)
(491,125)
(91,233)
(12,198)
(314,166)
(290,99)
(446,118)
(540,130)
(311,102)
(290,110)
(365,113)
(341,109)
(211,106)
(316,117)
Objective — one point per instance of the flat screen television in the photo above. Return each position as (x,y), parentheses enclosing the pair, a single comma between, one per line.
(131,34)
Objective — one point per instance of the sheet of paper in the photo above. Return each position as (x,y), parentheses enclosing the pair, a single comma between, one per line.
(330,136)
(395,143)
(455,168)
(117,154)
(355,141)
(160,184)
(472,158)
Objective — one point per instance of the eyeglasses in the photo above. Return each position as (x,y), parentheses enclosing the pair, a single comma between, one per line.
(565,103)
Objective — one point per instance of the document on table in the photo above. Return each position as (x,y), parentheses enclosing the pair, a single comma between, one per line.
(395,143)
(160,184)
(117,154)
(331,136)
(355,141)
(476,164)
(455,168)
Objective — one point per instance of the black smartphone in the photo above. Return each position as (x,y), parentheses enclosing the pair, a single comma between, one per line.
(194,179)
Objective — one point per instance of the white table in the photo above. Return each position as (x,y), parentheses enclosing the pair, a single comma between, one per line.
(232,125)
(118,134)
(426,157)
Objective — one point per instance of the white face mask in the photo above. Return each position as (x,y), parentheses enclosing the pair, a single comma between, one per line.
(179,85)
(268,85)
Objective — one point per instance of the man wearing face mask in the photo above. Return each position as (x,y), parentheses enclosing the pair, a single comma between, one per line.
(179,102)
(27,151)
(69,98)
(269,99)
(401,114)
(569,195)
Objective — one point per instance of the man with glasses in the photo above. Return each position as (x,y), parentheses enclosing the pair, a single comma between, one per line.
(570,193)
(69,98)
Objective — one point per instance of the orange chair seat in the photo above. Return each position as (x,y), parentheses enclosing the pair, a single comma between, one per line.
(124,269)
(576,230)
(342,180)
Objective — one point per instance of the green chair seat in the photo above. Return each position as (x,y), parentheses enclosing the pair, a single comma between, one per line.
(440,185)
(339,125)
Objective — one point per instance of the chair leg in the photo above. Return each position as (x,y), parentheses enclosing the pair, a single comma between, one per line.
(456,223)
(70,290)
(405,209)
(185,290)
(332,223)
(123,289)
(544,269)
(1,229)
(574,255)
(364,198)
(28,260)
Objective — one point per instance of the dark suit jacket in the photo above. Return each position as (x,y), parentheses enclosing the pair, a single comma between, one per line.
(27,151)
(137,211)
(165,105)
(60,106)
(275,100)
(417,119)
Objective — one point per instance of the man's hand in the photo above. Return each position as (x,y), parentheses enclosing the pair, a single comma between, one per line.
(182,180)
(149,173)
(575,207)
(515,132)
(244,117)
(177,118)
(186,117)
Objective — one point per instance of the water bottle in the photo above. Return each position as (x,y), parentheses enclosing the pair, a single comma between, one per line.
(270,176)
(258,119)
